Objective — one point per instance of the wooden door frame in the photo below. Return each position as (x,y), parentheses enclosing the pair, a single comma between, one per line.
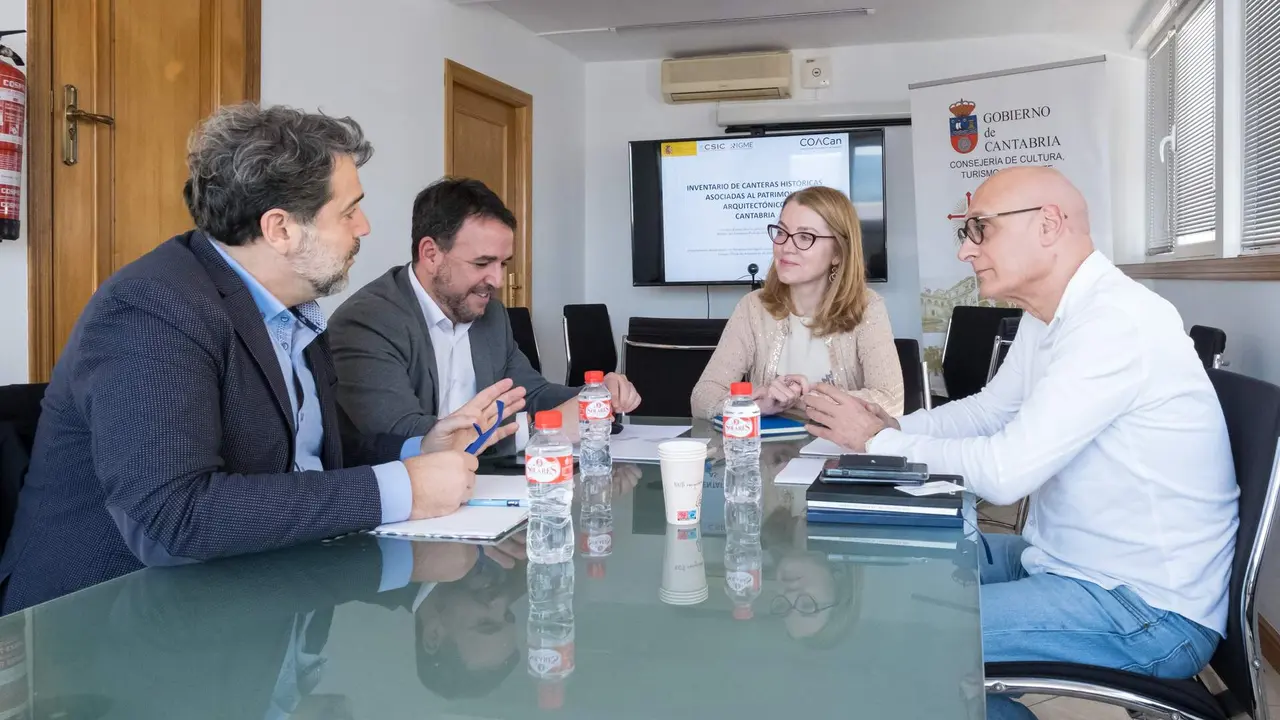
(522,205)
(41,142)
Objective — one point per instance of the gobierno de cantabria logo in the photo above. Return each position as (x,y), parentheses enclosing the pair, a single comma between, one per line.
(964,126)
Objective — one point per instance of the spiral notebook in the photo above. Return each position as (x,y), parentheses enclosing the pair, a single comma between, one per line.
(470,523)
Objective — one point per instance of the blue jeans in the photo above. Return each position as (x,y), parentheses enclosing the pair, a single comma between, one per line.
(1050,618)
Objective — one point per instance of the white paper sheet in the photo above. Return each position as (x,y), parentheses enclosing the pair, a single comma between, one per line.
(824,448)
(800,471)
(937,487)
(469,523)
(651,432)
(640,451)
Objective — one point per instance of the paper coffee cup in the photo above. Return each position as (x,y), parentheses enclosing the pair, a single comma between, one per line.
(684,571)
(683,464)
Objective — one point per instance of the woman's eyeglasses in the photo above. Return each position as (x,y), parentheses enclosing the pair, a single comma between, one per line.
(804,604)
(802,240)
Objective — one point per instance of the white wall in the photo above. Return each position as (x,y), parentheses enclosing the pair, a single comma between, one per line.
(13,255)
(382,63)
(624,103)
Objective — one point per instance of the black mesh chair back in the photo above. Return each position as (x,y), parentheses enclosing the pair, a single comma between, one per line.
(664,358)
(966,357)
(588,341)
(914,389)
(1210,343)
(1003,341)
(1252,411)
(522,330)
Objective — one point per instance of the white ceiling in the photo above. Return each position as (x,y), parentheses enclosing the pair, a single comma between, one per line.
(894,21)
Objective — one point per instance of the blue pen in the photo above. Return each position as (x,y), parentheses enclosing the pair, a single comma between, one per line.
(497,503)
(484,435)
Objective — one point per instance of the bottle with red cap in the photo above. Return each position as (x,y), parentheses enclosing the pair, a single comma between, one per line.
(595,531)
(595,424)
(548,468)
(743,556)
(551,631)
(741,427)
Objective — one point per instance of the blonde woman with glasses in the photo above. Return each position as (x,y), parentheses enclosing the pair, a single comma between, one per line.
(815,321)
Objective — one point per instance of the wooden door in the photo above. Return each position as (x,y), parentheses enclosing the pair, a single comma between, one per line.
(488,131)
(155,68)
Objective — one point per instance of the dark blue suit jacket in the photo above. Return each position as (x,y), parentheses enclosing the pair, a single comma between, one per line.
(166,436)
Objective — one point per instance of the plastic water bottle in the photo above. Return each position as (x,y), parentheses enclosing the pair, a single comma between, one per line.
(743,556)
(595,424)
(742,482)
(548,467)
(595,531)
(741,427)
(550,630)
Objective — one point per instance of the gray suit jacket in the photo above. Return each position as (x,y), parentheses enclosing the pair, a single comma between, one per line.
(387,377)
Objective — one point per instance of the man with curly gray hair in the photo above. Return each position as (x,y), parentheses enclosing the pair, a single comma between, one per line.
(191,414)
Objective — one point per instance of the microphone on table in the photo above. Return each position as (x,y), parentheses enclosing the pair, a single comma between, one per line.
(752,269)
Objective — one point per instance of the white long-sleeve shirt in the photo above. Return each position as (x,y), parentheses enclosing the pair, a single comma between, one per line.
(1107,419)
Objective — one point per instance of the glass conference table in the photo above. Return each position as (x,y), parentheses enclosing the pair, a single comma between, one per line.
(891,630)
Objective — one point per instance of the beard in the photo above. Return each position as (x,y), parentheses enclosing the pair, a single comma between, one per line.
(455,302)
(326,274)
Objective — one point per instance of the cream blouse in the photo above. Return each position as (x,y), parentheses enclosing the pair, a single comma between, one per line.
(863,361)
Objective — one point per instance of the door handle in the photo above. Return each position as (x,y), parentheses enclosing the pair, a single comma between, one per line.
(72,114)
(513,282)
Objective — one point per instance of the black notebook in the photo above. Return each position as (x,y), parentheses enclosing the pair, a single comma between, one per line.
(882,498)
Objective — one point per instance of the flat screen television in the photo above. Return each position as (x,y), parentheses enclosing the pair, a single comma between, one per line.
(700,206)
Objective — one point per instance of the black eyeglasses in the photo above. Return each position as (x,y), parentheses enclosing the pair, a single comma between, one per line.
(974,227)
(802,240)
(804,604)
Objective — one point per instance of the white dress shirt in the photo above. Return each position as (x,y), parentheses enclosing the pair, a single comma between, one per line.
(455,373)
(1106,418)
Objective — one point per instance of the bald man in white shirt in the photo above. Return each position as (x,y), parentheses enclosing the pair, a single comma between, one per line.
(1104,416)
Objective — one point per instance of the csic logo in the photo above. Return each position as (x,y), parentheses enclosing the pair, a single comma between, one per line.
(542,469)
(964,126)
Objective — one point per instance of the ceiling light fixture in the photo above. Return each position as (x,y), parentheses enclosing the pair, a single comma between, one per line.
(643,27)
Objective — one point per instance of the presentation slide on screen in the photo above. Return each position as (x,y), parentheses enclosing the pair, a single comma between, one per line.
(719,195)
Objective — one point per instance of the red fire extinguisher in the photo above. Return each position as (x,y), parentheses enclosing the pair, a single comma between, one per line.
(13,114)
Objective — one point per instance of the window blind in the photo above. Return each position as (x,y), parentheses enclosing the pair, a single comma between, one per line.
(1261,124)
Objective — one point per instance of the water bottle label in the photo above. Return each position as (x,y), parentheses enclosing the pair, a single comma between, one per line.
(595,410)
(740,581)
(549,469)
(742,428)
(598,545)
(555,660)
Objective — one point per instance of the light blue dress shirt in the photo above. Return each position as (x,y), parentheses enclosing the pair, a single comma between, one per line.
(291,330)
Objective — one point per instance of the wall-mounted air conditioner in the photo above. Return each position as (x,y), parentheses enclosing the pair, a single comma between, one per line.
(743,76)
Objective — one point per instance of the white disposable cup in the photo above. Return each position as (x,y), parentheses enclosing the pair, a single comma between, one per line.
(683,465)
(684,571)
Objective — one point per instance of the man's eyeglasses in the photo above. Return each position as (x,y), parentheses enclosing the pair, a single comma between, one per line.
(804,604)
(975,227)
(802,240)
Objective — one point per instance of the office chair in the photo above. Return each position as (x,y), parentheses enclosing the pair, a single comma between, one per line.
(1008,330)
(967,350)
(664,358)
(915,375)
(1210,344)
(19,416)
(588,342)
(522,331)
(1252,410)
